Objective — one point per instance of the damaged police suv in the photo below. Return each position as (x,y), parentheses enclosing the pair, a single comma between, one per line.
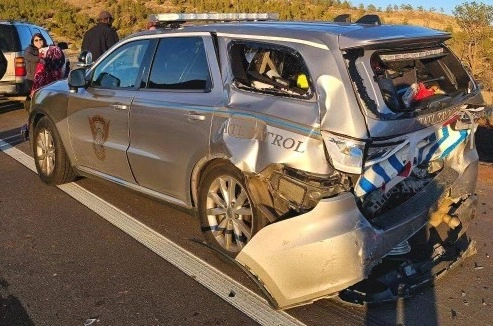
(325,158)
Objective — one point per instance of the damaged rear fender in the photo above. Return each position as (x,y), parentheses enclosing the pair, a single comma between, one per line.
(318,253)
(313,255)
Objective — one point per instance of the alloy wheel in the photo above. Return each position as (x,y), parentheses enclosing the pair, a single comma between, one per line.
(229,213)
(45,152)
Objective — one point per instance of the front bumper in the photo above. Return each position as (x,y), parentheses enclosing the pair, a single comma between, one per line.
(332,247)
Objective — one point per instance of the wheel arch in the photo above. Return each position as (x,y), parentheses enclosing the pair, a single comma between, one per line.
(52,153)
(257,189)
(198,171)
(33,121)
(61,129)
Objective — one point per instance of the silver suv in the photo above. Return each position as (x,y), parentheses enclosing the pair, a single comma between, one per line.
(15,36)
(326,158)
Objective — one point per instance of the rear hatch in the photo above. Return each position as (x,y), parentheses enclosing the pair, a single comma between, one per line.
(420,106)
(405,78)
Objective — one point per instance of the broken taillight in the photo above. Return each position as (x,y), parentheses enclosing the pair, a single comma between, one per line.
(20,67)
(345,154)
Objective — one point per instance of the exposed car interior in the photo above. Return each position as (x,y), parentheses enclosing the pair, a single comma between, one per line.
(269,70)
(418,79)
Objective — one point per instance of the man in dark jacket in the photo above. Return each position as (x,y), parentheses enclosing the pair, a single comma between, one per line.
(101,37)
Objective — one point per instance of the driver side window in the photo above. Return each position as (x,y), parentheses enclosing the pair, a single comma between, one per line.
(121,68)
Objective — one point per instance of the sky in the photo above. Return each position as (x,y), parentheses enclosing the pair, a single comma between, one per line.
(447,5)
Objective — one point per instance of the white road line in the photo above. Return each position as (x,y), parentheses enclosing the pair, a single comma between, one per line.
(13,136)
(244,299)
(7,144)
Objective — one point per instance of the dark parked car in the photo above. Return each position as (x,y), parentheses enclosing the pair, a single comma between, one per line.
(326,158)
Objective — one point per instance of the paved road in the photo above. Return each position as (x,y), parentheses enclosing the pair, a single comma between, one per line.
(66,263)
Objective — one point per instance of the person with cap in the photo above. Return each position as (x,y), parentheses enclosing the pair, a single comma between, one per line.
(101,37)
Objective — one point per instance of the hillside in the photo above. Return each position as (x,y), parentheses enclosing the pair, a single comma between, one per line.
(131,15)
(68,20)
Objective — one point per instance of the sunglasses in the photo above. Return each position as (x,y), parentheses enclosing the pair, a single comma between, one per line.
(37,40)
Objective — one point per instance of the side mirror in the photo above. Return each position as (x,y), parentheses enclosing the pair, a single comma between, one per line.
(63,45)
(85,58)
(77,79)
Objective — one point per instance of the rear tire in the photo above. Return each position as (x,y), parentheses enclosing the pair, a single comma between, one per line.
(50,158)
(227,214)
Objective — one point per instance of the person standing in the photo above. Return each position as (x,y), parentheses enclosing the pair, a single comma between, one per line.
(101,37)
(33,57)
(50,68)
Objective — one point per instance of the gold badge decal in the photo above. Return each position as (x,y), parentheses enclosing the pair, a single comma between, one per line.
(100,131)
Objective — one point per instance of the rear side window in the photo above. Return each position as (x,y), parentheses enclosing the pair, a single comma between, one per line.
(8,39)
(47,37)
(270,68)
(24,36)
(180,64)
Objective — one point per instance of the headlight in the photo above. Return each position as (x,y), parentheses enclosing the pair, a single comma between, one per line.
(346,154)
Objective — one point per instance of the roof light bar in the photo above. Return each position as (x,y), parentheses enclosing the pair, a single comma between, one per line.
(412,55)
(213,17)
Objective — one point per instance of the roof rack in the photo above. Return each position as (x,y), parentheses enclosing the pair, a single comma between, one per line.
(176,20)
(369,19)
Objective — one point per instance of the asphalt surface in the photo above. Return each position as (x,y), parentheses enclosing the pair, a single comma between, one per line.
(63,264)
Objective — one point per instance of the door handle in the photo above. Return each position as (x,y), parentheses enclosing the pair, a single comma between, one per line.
(119,106)
(192,116)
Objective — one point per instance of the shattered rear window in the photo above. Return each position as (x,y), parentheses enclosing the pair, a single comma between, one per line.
(270,69)
(419,79)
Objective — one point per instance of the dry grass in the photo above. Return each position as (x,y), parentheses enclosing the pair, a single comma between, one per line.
(427,19)
(487,119)
(488,97)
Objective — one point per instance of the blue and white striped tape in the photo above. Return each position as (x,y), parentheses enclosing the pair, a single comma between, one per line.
(388,173)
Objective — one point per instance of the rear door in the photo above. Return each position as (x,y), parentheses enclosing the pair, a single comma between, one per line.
(98,116)
(171,116)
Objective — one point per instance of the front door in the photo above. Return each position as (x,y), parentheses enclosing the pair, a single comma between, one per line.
(98,116)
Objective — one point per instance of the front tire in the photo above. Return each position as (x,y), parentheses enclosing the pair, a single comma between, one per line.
(227,214)
(50,158)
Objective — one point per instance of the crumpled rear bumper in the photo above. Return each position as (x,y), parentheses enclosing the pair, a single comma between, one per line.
(332,247)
